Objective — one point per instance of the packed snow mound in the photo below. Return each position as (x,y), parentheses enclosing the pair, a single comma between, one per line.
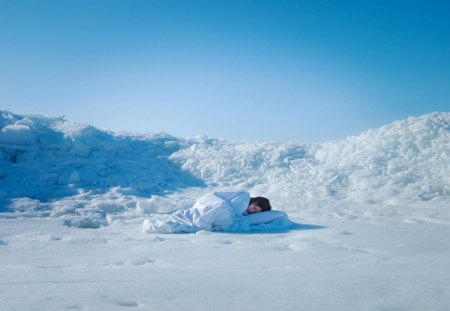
(50,158)
(406,161)
(399,163)
(53,167)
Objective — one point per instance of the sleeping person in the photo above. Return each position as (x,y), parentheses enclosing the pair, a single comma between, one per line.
(221,211)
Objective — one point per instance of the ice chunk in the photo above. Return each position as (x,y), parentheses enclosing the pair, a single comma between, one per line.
(17,134)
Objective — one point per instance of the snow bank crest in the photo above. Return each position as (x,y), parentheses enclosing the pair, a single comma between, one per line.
(53,167)
(404,162)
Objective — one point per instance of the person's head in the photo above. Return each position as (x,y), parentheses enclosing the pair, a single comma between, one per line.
(258,204)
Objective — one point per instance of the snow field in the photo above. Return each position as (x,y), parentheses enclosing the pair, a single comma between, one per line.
(372,214)
(335,265)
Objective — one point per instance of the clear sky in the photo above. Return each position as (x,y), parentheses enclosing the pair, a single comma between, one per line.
(303,71)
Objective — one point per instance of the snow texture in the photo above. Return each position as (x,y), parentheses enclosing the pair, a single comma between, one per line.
(371,219)
(53,167)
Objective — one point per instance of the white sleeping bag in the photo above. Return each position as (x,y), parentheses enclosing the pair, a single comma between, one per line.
(218,211)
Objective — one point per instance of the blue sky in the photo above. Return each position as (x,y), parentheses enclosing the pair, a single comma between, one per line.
(303,71)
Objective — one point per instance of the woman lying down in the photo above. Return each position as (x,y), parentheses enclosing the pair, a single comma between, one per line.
(222,211)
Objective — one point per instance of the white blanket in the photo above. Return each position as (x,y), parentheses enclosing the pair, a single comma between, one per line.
(218,211)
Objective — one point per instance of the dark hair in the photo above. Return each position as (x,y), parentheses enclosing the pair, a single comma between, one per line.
(262,202)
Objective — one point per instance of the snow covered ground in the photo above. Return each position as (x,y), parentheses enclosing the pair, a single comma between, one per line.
(372,215)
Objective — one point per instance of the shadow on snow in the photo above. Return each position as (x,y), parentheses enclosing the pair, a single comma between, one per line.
(94,161)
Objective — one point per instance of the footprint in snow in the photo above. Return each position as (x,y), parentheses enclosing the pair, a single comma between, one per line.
(226,242)
(158,239)
(345,232)
(78,241)
(74,307)
(130,262)
(54,238)
(286,247)
(127,303)
(140,261)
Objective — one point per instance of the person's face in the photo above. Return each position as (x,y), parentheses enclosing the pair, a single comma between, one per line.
(253,208)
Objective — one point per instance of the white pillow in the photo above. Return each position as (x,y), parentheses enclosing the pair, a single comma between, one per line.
(264,217)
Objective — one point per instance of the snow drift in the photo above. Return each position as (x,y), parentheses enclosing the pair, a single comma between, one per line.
(89,177)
